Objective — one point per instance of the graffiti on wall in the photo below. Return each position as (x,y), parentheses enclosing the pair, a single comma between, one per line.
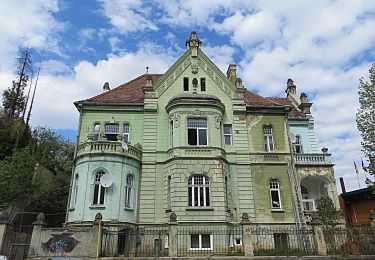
(60,243)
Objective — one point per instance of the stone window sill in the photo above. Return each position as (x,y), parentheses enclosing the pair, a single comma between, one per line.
(199,209)
(97,207)
(277,211)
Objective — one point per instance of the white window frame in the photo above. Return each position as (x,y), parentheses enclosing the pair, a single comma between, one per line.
(129,188)
(230,133)
(274,186)
(197,130)
(126,133)
(195,183)
(269,144)
(200,248)
(101,189)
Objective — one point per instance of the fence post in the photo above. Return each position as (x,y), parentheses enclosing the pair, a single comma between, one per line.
(3,227)
(172,239)
(246,235)
(372,219)
(319,240)
(38,224)
(96,240)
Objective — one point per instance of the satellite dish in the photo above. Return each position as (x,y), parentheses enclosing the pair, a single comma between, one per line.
(293,138)
(106,180)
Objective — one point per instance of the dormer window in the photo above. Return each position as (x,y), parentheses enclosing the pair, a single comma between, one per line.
(111,131)
(197,131)
(186,84)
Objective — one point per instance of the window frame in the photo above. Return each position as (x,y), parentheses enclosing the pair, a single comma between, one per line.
(129,190)
(200,244)
(203,84)
(298,144)
(197,129)
(115,134)
(126,133)
(275,189)
(269,143)
(230,134)
(101,190)
(203,188)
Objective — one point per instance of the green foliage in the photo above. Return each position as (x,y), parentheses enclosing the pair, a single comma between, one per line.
(327,212)
(36,178)
(366,117)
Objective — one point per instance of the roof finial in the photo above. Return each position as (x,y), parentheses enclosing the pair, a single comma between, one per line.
(193,41)
(147,70)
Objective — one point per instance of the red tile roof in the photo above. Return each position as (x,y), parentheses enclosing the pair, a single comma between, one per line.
(294,112)
(132,93)
(128,93)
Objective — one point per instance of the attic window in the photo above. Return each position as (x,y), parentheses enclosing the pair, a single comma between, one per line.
(203,84)
(111,131)
(186,84)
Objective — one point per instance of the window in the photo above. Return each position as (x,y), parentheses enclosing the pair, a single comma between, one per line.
(126,133)
(199,191)
(203,84)
(201,242)
(169,192)
(186,84)
(111,131)
(99,190)
(268,139)
(228,134)
(197,131)
(275,195)
(298,145)
(128,191)
(96,132)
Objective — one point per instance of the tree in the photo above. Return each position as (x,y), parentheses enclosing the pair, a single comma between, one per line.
(327,212)
(366,117)
(14,100)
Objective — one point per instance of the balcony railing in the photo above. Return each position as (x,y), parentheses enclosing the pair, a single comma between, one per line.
(108,147)
(313,159)
(196,151)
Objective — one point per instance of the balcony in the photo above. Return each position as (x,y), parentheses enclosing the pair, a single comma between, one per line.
(108,147)
(313,159)
(196,151)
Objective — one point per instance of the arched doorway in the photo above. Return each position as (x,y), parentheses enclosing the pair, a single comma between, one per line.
(312,189)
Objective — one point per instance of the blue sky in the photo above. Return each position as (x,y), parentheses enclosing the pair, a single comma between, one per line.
(324,46)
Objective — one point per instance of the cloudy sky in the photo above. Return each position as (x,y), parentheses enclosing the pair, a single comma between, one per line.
(324,46)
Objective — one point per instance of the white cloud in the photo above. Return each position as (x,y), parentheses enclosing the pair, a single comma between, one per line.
(128,15)
(222,56)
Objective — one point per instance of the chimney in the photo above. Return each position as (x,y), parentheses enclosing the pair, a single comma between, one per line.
(232,73)
(148,87)
(106,87)
(291,87)
(342,185)
(239,83)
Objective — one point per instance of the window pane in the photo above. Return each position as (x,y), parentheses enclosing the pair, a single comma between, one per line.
(194,241)
(227,129)
(96,192)
(227,139)
(195,196)
(275,199)
(207,196)
(206,241)
(111,128)
(203,84)
(201,202)
(102,192)
(186,84)
(126,128)
(190,196)
(197,123)
(202,136)
(192,136)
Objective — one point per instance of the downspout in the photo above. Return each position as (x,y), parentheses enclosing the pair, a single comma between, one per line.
(80,108)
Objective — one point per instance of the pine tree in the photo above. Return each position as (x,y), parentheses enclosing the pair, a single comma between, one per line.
(366,117)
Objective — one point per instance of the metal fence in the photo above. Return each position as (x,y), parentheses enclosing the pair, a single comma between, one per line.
(350,240)
(205,241)
(140,241)
(282,241)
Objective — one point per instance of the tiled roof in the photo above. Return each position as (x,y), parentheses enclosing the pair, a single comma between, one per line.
(252,99)
(128,93)
(294,112)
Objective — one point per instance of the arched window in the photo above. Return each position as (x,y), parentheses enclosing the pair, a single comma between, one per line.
(126,133)
(268,138)
(275,194)
(99,190)
(128,191)
(199,191)
(298,145)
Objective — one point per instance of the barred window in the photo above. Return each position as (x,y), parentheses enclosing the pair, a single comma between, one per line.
(268,138)
(111,131)
(99,190)
(197,131)
(275,195)
(199,191)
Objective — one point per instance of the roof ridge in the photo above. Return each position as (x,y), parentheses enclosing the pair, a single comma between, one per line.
(264,98)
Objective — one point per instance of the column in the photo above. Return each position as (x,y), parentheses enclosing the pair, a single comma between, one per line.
(247,238)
